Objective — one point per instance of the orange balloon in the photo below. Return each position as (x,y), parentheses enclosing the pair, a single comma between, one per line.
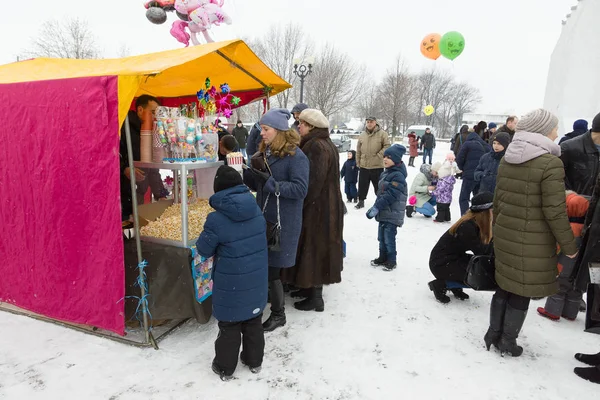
(430,46)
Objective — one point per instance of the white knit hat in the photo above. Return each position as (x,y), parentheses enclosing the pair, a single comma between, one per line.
(314,117)
(538,121)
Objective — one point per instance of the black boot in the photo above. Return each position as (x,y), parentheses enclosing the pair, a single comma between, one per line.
(277,317)
(438,287)
(313,302)
(389,266)
(361,204)
(589,359)
(409,211)
(224,377)
(379,261)
(513,322)
(349,200)
(497,310)
(301,293)
(459,294)
(589,374)
(582,306)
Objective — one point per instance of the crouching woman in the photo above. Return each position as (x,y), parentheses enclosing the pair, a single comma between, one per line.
(449,258)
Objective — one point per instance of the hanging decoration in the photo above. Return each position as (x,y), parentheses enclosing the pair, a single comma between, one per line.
(428,110)
(217,101)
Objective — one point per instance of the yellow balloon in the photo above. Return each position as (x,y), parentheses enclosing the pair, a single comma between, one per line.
(428,110)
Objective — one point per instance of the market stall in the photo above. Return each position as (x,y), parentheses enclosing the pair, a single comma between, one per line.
(59,170)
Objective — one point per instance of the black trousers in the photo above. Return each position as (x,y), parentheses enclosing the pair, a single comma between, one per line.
(517,302)
(443,213)
(250,333)
(366,177)
(455,271)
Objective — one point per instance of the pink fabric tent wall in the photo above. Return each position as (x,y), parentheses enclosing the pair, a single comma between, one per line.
(61,243)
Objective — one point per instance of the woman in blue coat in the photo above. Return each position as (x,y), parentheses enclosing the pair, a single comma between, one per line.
(279,163)
(468,160)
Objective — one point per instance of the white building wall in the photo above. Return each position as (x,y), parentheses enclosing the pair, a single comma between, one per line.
(573,86)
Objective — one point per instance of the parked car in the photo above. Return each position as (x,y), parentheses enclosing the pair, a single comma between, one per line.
(342,142)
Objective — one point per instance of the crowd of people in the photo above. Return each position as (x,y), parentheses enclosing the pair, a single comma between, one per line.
(525,201)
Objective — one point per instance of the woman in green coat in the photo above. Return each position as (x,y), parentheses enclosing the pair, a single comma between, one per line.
(530,217)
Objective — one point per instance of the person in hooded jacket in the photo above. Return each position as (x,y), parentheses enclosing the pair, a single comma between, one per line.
(444,189)
(580,127)
(530,217)
(254,139)
(460,139)
(349,174)
(390,205)
(422,191)
(468,160)
(485,174)
(319,259)
(235,234)
(413,143)
(449,259)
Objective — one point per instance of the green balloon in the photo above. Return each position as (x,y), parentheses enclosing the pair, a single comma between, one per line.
(452,45)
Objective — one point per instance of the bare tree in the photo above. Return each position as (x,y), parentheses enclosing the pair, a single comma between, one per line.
(278,49)
(124,51)
(70,39)
(335,83)
(464,100)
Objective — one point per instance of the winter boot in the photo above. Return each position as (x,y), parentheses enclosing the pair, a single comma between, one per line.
(313,302)
(301,294)
(438,287)
(513,322)
(459,294)
(409,211)
(224,377)
(589,374)
(582,306)
(277,317)
(542,311)
(379,261)
(389,266)
(589,359)
(361,204)
(497,310)
(349,200)
(254,370)
(355,200)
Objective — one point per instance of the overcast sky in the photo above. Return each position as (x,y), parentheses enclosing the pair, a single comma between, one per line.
(508,42)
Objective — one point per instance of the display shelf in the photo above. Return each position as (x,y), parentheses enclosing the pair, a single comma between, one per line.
(190,165)
(169,242)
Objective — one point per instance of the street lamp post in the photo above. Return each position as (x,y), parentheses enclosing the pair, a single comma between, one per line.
(302,70)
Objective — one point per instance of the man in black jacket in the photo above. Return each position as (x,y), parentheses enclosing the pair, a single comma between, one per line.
(580,127)
(241,135)
(143,178)
(427,144)
(581,157)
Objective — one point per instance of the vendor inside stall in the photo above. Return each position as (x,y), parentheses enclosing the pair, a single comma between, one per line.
(144,177)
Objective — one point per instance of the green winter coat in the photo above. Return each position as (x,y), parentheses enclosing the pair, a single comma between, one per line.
(370,148)
(530,216)
(420,186)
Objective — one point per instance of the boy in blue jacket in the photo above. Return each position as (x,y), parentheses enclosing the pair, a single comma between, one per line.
(235,234)
(390,205)
(349,173)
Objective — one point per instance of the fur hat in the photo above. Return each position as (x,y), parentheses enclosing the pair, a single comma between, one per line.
(314,117)
(277,118)
(395,153)
(538,121)
(503,138)
(226,178)
(482,202)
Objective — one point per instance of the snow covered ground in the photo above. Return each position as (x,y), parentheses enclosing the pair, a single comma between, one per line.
(382,335)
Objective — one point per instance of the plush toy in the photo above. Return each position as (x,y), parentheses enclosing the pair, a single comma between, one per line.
(201,15)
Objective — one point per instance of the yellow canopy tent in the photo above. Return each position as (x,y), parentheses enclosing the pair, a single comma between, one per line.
(173,73)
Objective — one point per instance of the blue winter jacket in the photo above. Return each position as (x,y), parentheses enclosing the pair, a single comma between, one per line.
(487,170)
(470,153)
(392,194)
(349,171)
(254,140)
(291,172)
(236,235)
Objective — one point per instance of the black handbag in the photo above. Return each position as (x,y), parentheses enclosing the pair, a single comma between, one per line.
(481,273)
(273,229)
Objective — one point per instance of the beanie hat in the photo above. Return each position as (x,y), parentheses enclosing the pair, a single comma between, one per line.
(580,125)
(492,125)
(482,202)
(298,108)
(538,121)
(277,118)
(395,153)
(503,138)
(226,178)
(436,166)
(314,117)
(596,124)
(450,157)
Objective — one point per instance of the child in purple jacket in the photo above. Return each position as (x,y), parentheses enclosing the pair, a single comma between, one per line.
(444,188)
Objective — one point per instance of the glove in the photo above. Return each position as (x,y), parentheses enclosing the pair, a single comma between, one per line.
(261,176)
(373,211)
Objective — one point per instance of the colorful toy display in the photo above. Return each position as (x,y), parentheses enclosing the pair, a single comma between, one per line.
(202,275)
